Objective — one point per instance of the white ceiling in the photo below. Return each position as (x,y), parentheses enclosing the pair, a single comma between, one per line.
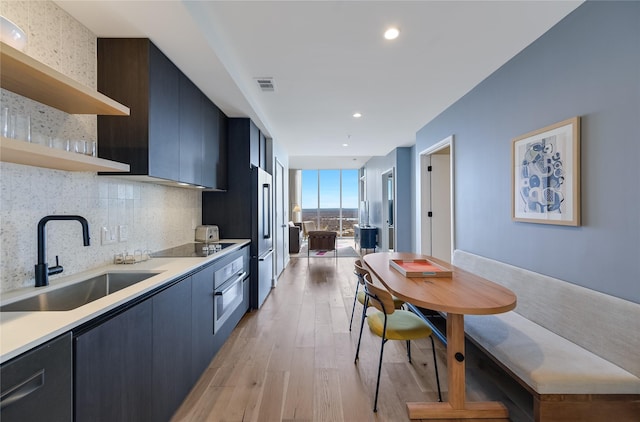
(329,60)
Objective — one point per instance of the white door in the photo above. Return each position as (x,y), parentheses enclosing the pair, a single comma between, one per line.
(436,201)
(281,240)
(387,234)
(440,207)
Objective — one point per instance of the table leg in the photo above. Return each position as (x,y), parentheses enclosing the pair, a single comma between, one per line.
(457,407)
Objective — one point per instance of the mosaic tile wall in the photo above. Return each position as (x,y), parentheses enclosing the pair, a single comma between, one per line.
(157,217)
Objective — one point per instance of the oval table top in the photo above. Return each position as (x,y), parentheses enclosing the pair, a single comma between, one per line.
(462,293)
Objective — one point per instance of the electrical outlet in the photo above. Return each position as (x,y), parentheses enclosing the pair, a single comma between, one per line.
(107,235)
(123,233)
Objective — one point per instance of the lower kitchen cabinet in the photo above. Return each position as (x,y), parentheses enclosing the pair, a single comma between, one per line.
(37,385)
(202,320)
(172,373)
(113,368)
(139,364)
(136,366)
(207,338)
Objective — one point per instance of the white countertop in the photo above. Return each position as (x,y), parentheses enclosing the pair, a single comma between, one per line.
(21,331)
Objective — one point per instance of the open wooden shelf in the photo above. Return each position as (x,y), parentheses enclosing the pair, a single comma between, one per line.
(30,78)
(20,152)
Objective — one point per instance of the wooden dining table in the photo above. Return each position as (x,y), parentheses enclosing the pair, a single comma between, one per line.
(463,293)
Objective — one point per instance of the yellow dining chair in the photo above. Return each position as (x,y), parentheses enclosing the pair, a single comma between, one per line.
(360,296)
(391,324)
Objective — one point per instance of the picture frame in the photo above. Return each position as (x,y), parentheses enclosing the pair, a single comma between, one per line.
(545,175)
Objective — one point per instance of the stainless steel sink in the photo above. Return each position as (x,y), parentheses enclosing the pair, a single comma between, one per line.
(78,294)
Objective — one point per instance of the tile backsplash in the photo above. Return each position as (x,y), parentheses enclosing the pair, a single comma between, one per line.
(156,217)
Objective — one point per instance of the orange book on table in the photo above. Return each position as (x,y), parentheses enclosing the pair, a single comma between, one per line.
(419,268)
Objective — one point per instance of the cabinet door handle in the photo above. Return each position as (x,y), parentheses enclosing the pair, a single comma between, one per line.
(20,391)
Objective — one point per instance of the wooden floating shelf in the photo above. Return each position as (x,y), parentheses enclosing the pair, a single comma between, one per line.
(20,152)
(30,78)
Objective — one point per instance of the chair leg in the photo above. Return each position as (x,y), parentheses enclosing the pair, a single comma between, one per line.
(435,365)
(364,315)
(355,299)
(409,350)
(375,400)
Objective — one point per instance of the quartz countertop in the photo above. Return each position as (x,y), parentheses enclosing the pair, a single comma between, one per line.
(22,331)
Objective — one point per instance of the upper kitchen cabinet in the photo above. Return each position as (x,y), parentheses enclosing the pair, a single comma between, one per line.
(174,133)
(214,173)
(248,145)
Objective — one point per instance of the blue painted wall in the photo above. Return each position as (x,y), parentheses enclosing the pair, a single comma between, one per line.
(588,65)
(401,160)
(404,193)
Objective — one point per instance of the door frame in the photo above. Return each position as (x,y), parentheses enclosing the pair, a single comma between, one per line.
(384,230)
(281,239)
(424,157)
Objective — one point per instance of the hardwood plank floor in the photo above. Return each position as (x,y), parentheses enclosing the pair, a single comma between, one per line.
(293,360)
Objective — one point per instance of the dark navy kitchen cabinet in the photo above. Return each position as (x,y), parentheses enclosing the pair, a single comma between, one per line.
(139,361)
(243,151)
(37,385)
(136,365)
(214,170)
(245,209)
(136,72)
(113,368)
(191,136)
(171,359)
(174,131)
(202,320)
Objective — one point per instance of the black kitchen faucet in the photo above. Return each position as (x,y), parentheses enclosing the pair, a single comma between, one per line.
(42,269)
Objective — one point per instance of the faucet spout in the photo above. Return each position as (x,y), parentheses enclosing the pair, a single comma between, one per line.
(42,271)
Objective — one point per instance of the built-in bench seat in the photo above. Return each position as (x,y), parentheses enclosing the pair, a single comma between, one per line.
(575,350)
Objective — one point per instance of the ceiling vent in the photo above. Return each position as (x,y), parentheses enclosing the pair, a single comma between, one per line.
(266,84)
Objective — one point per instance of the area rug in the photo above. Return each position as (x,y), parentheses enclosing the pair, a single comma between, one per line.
(345,250)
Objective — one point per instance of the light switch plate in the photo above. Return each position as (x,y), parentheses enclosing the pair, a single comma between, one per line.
(107,236)
(123,233)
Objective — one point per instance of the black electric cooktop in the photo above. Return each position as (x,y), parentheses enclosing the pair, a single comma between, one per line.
(192,250)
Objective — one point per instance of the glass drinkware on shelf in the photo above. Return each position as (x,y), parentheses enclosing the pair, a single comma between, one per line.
(5,122)
(92,148)
(22,128)
(80,147)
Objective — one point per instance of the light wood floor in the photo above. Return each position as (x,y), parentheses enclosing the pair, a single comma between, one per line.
(293,360)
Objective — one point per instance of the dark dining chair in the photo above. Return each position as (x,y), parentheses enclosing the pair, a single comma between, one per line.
(322,241)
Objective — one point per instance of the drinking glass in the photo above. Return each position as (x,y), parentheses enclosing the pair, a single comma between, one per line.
(5,122)
(80,147)
(23,127)
(92,148)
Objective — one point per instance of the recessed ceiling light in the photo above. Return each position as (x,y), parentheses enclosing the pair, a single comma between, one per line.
(183,184)
(357,115)
(345,145)
(391,33)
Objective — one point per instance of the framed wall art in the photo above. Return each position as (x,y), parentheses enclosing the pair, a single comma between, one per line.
(545,171)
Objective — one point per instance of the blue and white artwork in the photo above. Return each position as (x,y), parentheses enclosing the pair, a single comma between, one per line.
(545,175)
(542,177)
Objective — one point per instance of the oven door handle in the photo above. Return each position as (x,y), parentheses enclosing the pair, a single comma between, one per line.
(230,284)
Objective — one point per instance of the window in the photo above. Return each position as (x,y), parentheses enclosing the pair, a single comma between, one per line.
(330,198)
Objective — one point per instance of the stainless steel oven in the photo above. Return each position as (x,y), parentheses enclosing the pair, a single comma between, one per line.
(228,291)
